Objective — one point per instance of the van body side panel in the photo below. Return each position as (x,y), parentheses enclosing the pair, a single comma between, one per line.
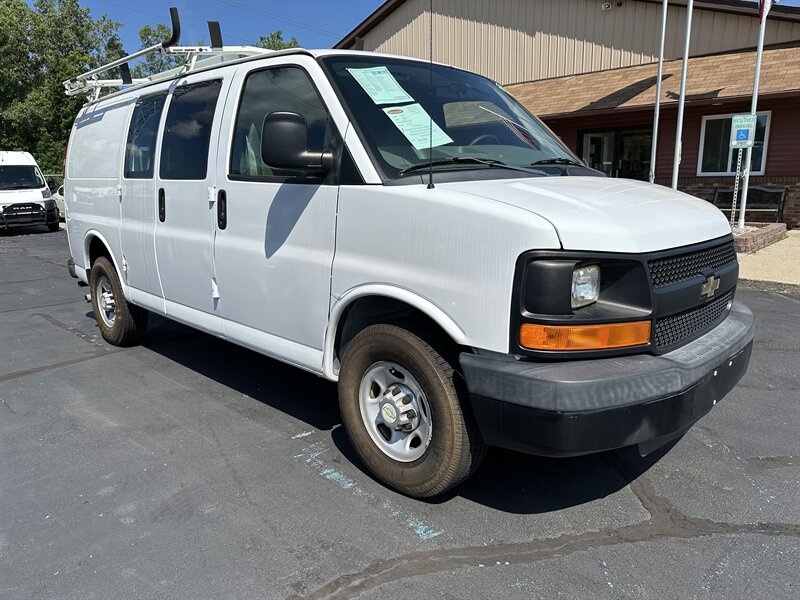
(184,239)
(139,210)
(455,251)
(273,257)
(92,175)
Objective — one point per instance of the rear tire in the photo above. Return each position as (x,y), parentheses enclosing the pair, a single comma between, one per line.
(120,323)
(448,446)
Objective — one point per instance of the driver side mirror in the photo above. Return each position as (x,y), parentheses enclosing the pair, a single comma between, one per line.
(284,144)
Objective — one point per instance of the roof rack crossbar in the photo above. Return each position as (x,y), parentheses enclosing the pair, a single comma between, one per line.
(91,85)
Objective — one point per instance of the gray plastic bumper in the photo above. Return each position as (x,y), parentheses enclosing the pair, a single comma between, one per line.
(577,407)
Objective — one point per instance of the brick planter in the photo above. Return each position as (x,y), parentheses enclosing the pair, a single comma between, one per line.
(766,234)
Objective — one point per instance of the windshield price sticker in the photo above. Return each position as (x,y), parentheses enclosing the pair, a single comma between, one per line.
(380,85)
(416,124)
(743,131)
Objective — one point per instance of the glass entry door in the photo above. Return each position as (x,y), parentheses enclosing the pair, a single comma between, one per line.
(598,151)
(619,153)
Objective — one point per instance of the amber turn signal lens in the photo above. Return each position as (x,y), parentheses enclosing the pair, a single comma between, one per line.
(583,337)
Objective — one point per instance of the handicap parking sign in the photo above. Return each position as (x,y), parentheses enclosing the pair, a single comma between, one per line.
(743,128)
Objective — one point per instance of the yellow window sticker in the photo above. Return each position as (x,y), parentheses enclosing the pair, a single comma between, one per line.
(415,123)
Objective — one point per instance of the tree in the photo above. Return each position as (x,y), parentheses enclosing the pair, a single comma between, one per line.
(156,62)
(43,45)
(275,41)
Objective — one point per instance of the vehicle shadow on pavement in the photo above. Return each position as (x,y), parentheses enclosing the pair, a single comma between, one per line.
(23,230)
(506,481)
(292,391)
(518,483)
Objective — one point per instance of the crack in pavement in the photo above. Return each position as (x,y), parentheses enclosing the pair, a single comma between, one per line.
(666,522)
(91,340)
(774,462)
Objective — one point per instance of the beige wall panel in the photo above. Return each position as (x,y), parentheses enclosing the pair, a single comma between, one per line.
(522,40)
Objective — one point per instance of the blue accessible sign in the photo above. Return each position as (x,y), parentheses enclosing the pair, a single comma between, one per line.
(743,131)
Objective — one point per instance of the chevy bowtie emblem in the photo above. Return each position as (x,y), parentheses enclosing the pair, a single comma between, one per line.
(710,286)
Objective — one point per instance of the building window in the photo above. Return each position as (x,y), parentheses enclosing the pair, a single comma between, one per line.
(716,157)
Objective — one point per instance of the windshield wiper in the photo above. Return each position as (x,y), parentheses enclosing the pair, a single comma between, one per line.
(558,161)
(468,160)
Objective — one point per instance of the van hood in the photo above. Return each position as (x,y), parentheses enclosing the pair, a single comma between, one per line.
(20,197)
(605,214)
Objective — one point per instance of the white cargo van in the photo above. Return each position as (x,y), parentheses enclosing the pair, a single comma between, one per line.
(25,199)
(412,232)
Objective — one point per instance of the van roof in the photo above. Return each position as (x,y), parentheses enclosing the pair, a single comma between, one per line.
(216,62)
(9,157)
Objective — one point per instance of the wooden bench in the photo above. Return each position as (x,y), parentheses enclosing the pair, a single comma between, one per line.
(759,200)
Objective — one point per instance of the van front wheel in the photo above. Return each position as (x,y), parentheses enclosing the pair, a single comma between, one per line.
(121,324)
(404,409)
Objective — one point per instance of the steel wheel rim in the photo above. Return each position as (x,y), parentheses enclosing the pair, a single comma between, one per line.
(106,303)
(387,395)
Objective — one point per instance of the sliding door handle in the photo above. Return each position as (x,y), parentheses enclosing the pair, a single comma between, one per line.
(222,209)
(162,209)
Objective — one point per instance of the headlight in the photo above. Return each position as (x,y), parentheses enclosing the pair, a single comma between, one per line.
(585,286)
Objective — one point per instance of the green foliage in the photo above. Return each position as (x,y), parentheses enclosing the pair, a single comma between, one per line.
(49,42)
(156,62)
(275,41)
(42,46)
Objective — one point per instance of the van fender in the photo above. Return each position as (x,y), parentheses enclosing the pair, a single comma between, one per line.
(87,239)
(425,306)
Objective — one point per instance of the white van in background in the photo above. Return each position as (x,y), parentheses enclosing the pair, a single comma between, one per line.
(25,199)
(411,231)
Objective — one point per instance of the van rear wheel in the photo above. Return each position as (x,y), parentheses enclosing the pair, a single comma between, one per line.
(404,409)
(121,323)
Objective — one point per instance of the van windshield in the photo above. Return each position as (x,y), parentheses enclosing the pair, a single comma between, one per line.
(20,177)
(408,113)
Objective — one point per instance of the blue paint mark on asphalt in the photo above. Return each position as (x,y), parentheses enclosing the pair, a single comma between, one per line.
(311,456)
(423,531)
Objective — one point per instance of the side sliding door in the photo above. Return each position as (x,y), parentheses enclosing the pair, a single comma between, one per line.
(185,222)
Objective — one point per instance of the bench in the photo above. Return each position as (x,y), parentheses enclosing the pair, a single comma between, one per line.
(759,199)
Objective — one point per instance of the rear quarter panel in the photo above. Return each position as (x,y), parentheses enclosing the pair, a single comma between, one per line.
(94,158)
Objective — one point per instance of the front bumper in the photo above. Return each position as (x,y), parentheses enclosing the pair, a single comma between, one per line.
(29,213)
(580,407)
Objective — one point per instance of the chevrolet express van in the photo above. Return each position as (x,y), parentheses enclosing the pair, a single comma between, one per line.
(25,199)
(412,232)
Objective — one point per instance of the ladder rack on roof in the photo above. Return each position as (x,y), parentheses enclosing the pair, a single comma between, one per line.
(196,57)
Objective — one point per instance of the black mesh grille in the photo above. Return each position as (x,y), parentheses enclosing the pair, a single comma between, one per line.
(671,269)
(676,328)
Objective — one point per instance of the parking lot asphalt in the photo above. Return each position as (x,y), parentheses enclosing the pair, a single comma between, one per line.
(191,468)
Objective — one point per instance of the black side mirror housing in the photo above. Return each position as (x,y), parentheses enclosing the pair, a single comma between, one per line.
(284,144)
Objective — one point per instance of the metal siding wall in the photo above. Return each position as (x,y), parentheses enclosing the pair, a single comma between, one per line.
(523,40)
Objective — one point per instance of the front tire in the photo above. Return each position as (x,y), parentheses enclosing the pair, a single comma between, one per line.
(121,323)
(404,409)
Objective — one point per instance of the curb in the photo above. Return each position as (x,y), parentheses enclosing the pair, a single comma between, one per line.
(769,286)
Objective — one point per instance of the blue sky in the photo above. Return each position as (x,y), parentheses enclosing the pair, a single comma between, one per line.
(315,23)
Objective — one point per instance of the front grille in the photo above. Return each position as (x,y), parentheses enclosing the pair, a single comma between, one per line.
(680,267)
(681,326)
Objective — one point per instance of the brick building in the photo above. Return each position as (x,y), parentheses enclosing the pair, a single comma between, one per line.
(606,118)
(588,69)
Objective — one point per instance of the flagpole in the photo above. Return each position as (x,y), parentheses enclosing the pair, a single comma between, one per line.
(676,160)
(658,92)
(753,106)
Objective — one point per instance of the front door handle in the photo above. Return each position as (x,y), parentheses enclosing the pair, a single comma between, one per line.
(162,209)
(222,209)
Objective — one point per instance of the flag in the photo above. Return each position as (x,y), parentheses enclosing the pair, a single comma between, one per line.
(763,8)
